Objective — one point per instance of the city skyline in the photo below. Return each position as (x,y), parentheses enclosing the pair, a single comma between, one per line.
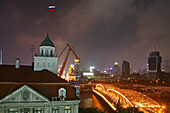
(102,32)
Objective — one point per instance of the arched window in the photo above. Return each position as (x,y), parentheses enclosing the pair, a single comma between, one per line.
(62,93)
(46,52)
(41,52)
(51,53)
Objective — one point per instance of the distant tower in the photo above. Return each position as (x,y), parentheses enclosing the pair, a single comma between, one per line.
(125,68)
(1,57)
(46,59)
(154,62)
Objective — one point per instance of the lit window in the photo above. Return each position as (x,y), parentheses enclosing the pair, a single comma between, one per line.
(13,110)
(67,110)
(55,111)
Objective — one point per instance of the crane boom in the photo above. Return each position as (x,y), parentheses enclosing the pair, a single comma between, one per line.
(66,59)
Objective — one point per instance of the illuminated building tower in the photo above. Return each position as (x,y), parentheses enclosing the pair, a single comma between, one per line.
(154,62)
(46,59)
(116,69)
(125,68)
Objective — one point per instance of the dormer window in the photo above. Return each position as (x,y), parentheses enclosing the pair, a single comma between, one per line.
(62,93)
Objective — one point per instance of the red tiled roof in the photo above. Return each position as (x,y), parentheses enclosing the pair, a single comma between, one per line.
(44,82)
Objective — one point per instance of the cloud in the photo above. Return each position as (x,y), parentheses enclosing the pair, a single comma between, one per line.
(25,40)
(81,18)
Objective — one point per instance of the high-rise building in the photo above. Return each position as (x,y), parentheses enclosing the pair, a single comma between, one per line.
(116,70)
(125,68)
(154,62)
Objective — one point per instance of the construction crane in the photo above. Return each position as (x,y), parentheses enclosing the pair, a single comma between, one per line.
(65,61)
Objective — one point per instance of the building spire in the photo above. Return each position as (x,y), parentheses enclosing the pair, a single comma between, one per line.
(1,58)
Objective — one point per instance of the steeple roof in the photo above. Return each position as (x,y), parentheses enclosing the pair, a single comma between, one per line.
(47,42)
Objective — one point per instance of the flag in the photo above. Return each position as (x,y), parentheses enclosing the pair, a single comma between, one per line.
(51,8)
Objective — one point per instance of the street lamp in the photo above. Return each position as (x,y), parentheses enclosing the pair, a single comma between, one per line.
(157,82)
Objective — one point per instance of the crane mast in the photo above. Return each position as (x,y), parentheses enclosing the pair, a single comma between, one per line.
(66,59)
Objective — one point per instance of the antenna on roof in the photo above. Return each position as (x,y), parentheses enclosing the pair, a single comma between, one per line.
(32,48)
(1,58)
(154,47)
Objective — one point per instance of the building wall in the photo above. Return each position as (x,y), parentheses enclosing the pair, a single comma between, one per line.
(49,63)
(44,107)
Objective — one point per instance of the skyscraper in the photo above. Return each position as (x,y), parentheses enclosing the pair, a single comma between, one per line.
(154,62)
(116,69)
(125,68)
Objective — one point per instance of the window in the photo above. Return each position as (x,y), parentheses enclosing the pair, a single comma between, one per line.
(41,52)
(48,64)
(51,53)
(55,111)
(62,93)
(37,110)
(25,110)
(67,110)
(13,110)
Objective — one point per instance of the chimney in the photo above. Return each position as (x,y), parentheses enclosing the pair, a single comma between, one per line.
(17,63)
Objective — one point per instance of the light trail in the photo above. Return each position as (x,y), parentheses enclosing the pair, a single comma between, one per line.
(108,102)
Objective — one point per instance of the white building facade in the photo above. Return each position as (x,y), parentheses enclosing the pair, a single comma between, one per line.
(46,59)
(27,100)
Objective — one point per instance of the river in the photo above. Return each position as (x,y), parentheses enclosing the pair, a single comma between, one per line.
(91,100)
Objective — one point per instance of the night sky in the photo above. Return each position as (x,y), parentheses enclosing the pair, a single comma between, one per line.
(102,31)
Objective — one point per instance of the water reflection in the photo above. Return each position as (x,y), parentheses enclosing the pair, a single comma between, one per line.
(89,100)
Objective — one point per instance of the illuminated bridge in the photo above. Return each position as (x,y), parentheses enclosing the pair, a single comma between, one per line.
(127,98)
